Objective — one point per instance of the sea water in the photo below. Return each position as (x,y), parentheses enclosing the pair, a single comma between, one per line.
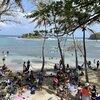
(21,50)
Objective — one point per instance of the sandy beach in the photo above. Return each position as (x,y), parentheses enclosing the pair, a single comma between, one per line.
(19,54)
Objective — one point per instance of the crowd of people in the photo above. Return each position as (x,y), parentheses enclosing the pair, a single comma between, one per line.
(68,83)
(65,84)
(16,83)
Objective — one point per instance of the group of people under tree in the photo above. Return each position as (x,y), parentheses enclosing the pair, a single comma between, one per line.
(97,64)
(20,80)
(26,71)
(63,81)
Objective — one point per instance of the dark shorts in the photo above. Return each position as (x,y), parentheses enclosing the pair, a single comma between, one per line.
(55,86)
(40,83)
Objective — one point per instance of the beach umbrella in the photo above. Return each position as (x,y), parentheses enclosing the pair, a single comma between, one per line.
(18,98)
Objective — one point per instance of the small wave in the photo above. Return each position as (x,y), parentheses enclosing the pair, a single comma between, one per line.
(98,46)
(51,39)
(23,39)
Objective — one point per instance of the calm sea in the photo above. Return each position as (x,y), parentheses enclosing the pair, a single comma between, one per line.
(23,49)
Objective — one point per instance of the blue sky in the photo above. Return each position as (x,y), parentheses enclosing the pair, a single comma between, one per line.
(26,26)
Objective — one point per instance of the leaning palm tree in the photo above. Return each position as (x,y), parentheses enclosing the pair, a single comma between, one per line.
(40,17)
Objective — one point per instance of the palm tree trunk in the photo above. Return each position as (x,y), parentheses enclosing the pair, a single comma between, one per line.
(76,57)
(85,61)
(59,46)
(43,55)
(61,54)
(64,48)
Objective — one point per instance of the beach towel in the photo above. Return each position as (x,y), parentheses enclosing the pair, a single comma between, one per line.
(18,98)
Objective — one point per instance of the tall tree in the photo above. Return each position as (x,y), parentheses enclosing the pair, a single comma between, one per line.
(75,47)
(42,18)
(55,14)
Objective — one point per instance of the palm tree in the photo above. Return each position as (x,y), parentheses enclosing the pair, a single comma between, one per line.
(85,61)
(40,16)
(55,14)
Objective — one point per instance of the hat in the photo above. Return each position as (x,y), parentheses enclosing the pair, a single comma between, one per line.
(67,81)
(55,80)
(87,84)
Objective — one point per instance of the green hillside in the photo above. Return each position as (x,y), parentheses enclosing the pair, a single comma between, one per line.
(95,36)
(31,36)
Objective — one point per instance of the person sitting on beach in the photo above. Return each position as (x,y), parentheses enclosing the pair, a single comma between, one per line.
(32,88)
(4,68)
(32,78)
(80,67)
(11,74)
(40,81)
(60,76)
(85,93)
(93,93)
(81,73)
(89,65)
(60,62)
(68,88)
(19,76)
(55,84)
(76,76)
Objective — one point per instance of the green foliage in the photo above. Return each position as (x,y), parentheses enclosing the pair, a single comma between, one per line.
(67,15)
(95,36)
(35,34)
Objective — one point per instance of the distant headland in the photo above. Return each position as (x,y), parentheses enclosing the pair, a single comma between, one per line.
(95,36)
(34,35)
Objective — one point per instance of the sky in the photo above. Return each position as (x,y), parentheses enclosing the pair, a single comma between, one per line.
(26,26)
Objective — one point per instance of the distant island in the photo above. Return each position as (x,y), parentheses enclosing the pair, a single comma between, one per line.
(95,36)
(34,35)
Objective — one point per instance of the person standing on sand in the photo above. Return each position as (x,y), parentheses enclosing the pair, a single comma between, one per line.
(55,85)
(28,65)
(98,64)
(7,53)
(68,71)
(24,67)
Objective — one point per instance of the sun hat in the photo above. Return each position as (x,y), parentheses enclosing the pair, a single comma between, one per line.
(55,80)
(87,84)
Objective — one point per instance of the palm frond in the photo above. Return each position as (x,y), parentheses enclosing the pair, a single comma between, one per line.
(92,32)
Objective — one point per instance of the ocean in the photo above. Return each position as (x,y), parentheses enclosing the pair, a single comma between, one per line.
(21,50)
